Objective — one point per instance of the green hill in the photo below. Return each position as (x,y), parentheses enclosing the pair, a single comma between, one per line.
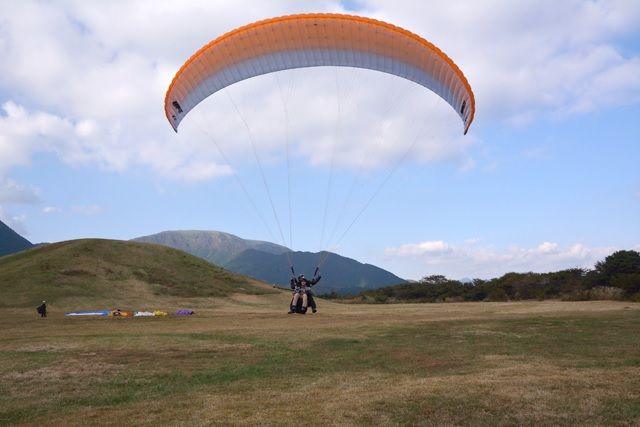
(110,272)
(10,241)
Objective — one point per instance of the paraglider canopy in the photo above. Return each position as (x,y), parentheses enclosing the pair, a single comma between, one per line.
(312,40)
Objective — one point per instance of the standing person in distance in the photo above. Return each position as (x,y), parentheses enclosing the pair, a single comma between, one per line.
(42,309)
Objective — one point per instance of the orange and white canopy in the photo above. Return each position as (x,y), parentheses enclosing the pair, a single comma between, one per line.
(313,40)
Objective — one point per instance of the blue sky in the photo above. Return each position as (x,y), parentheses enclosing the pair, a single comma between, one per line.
(547,177)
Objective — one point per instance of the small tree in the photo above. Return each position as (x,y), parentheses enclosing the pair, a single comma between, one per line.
(618,263)
(478,282)
(435,279)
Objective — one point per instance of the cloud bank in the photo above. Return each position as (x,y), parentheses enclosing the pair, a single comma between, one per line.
(471,259)
(98,99)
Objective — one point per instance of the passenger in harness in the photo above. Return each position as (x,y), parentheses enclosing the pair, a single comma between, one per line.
(302,294)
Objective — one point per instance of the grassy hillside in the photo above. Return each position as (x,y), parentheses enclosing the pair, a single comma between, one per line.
(109,272)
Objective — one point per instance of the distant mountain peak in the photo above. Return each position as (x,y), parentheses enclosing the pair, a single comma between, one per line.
(11,242)
(270,262)
(216,247)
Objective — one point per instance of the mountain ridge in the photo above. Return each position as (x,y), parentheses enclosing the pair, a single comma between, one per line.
(11,242)
(340,274)
(271,263)
(206,244)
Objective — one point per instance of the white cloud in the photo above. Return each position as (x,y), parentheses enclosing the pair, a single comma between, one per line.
(467,165)
(22,133)
(471,260)
(547,247)
(416,249)
(88,210)
(15,222)
(371,128)
(526,59)
(87,142)
(12,192)
(51,209)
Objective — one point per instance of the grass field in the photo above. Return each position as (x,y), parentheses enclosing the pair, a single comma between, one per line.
(243,360)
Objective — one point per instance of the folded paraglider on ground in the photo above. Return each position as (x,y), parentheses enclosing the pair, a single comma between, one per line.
(124,313)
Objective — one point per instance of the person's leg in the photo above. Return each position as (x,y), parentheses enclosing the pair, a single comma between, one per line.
(312,303)
(304,302)
(294,302)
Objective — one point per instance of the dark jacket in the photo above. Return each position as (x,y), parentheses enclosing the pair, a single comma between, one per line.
(295,283)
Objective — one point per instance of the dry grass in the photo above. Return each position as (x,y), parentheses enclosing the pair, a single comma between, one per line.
(243,361)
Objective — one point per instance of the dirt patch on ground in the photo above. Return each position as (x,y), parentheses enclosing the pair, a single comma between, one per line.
(86,366)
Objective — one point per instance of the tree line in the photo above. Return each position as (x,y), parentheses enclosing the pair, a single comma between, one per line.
(615,277)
